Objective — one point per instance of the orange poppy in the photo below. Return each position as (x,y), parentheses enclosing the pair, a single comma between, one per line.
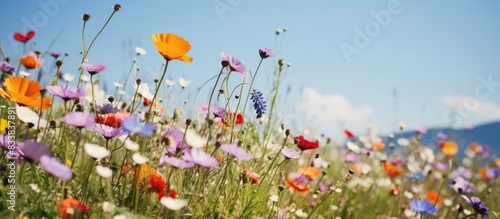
(449,148)
(24,92)
(70,206)
(158,109)
(433,197)
(474,146)
(310,172)
(296,186)
(392,170)
(378,146)
(497,162)
(156,180)
(31,61)
(171,46)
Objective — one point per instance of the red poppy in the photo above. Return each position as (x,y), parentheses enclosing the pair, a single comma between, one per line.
(252,175)
(21,37)
(70,206)
(304,144)
(349,134)
(231,116)
(111,119)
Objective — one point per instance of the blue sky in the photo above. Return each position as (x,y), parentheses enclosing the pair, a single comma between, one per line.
(438,56)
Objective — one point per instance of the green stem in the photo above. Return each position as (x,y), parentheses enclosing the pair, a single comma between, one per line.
(157,89)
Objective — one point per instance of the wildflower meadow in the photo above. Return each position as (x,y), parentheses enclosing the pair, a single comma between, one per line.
(72,150)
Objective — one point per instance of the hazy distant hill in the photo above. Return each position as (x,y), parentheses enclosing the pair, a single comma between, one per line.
(486,134)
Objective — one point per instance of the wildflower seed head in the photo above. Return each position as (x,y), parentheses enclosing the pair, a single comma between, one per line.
(86,17)
(38,53)
(43,92)
(52,124)
(138,81)
(218,144)
(221,91)
(281,62)
(281,188)
(282,126)
(188,122)
(156,80)
(66,54)
(7,59)
(117,7)
(236,96)
(278,31)
(59,63)
(287,132)
(111,99)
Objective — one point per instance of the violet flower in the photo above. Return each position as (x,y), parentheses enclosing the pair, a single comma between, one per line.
(200,158)
(236,151)
(54,167)
(106,108)
(94,68)
(176,162)
(290,153)
(462,185)
(478,205)
(107,132)
(78,119)
(233,63)
(7,68)
(265,53)
(133,124)
(66,92)
(55,54)
(463,172)
(12,149)
(32,150)
(258,102)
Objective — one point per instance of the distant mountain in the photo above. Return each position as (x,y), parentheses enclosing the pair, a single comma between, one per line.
(486,134)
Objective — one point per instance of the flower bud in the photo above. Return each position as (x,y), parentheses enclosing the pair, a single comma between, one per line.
(86,16)
(59,63)
(117,7)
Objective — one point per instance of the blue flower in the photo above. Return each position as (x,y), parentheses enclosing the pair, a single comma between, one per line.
(133,124)
(258,102)
(416,177)
(422,207)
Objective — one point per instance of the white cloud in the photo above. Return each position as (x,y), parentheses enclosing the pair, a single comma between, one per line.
(331,112)
(470,110)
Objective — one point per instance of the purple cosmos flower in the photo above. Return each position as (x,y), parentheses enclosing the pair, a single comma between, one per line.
(478,205)
(107,132)
(462,185)
(200,158)
(442,166)
(265,53)
(66,92)
(55,54)
(422,207)
(7,68)
(94,68)
(78,119)
(32,150)
(258,102)
(290,153)
(351,157)
(233,63)
(463,172)
(421,130)
(106,108)
(442,136)
(218,112)
(12,149)
(236,151)
(173,137)
(133,124)
(176,162)
(55,168)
